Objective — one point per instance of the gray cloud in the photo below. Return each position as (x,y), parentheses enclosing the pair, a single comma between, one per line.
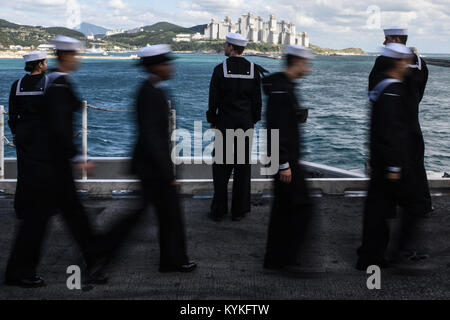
(331,23)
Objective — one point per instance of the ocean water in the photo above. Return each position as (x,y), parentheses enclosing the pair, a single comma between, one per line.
(334,92)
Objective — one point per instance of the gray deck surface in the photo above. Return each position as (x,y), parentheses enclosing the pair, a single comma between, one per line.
(230,256)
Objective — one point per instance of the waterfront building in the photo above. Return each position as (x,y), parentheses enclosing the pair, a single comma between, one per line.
(113,32)
(135,30)
(187,37)
(257,30)
(46,47)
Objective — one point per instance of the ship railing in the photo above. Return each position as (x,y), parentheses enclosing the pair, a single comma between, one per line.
(84,131)
(335,181)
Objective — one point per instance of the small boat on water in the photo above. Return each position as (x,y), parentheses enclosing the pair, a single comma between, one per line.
(93,49)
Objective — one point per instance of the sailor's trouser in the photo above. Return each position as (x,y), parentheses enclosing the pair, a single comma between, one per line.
(26,251)
(241,180)
(411,194)
(289,220)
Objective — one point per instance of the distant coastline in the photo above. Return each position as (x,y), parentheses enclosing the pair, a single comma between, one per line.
(267,54)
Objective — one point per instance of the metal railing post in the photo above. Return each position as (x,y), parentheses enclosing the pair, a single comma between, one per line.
(84,132)
(2,144)
(172,127)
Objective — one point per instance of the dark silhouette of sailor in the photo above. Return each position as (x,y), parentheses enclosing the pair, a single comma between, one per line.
(393,151)
(292,206)
(418,204)
(234,103)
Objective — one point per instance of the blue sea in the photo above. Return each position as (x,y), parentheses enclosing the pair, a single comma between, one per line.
(335,93)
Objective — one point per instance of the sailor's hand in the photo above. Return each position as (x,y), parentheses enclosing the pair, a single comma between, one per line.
(394,176)
(175,183)
(286,175)
(87,166)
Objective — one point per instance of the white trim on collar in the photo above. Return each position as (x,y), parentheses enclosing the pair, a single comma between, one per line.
(31,93)
(418,65)
(227,73)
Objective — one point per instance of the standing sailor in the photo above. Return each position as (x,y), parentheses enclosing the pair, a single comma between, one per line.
(418,205)
(32,203)
(292,207)
(27,123)
(234,103)
(152,161)
(60,103)
(393,138)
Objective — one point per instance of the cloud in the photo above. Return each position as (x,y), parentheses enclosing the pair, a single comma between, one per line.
(340,23)
(331,23)
(116,4)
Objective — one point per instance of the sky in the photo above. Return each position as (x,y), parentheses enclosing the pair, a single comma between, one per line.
(330,23)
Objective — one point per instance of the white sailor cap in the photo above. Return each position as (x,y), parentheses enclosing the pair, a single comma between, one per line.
(397,51)
(155,54)
(396,31)
(63,43)
(237,39)
(35,56)
(298,51)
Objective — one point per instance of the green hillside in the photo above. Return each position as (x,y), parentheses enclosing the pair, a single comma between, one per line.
(217,46)
(166,27)
(55,31)
(7,24)
(319,50)
(200,28)
(161,32)
(15,34)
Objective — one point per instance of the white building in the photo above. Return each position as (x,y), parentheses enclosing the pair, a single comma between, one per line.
(257,30)
(182,37)
(13,47)
(135,30)
(303,39)
(46,47)
(113,32)
(187,37)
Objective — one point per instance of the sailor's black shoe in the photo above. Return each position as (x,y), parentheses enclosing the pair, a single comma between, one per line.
(187,267)
(411,263)
(25,282)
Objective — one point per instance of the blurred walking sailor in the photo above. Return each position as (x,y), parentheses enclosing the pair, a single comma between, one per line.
(60,103)
(234,103)
(292,207)
(418,199)
(32,203)
(152,160)
(393,152)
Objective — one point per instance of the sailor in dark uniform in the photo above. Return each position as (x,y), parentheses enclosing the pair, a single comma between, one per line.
(28,127)
(234,103)
(152,160)
(419,203)
(292,207)
(60,103)
(392,150)
(32,202)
